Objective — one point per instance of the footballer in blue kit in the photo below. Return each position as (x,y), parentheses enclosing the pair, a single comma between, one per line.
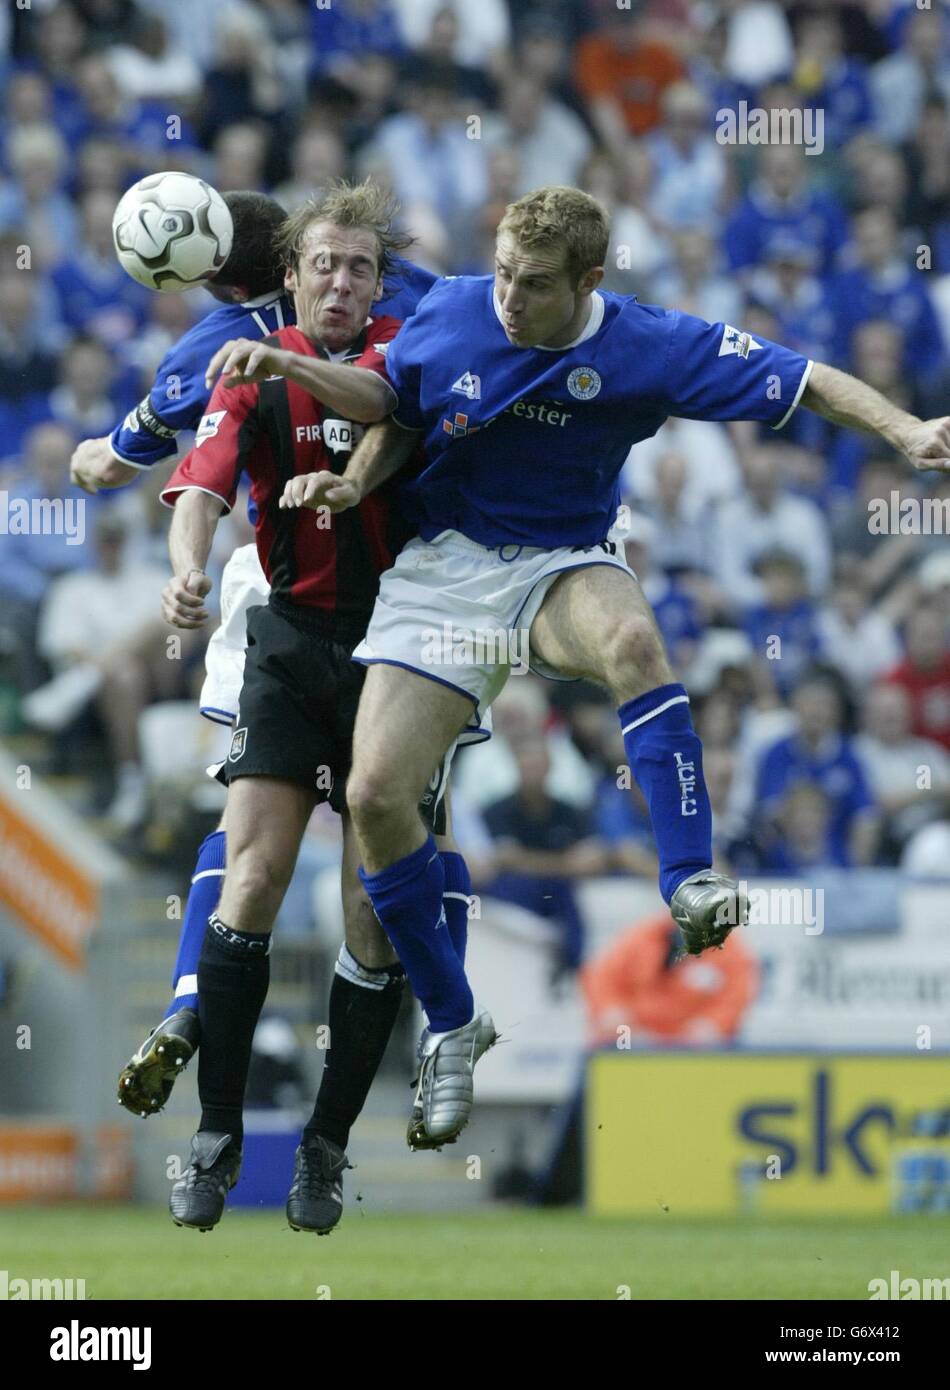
(528,389)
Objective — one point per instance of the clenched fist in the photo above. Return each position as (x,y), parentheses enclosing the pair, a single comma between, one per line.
(183,599)
(243,362)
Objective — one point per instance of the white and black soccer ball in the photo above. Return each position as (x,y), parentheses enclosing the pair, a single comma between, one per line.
(172,231)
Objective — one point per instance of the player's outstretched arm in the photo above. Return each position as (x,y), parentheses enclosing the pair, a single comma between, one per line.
(352,392)
(193,526)
(95,468)
(380,453)
(844,400)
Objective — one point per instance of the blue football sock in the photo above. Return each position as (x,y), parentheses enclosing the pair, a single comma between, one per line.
(206,884)
(407,899)
(457,895)
(666,759)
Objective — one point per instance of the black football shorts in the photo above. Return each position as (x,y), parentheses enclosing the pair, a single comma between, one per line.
(297,710)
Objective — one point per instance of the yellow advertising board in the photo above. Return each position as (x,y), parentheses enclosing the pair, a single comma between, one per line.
(717,1134)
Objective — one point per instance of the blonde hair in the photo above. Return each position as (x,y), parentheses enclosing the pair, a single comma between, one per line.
(347,205)
(558,216)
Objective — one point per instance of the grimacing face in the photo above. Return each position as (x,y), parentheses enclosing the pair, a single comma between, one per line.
(540,305)
(335,282)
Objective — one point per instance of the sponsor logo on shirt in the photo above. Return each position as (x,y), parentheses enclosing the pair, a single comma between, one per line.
(208,426)
(736,344)
(584,383)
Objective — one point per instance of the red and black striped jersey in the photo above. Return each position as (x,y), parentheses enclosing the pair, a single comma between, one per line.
(326,565)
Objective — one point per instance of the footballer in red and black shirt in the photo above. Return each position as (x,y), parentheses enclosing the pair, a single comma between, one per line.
(285,406)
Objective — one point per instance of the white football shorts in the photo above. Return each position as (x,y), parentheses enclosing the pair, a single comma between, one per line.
(243,585)
(459,613)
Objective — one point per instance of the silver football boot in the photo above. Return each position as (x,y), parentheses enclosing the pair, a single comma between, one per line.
(706,907)
(444,1087)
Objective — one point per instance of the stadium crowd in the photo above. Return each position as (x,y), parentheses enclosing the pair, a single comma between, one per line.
(815,643)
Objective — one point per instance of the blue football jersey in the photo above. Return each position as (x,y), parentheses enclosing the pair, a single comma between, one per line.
(525,445)
(178,395)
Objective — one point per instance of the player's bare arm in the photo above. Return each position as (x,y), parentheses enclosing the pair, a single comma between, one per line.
(380,453)
(844,400)
(356,395)
(193,526)
(95,468)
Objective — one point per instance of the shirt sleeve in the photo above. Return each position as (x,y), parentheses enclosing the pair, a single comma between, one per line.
(175,401)
(716,372)
(224,443)
(404,374)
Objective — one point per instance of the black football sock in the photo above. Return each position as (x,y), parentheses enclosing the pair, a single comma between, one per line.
(363,1008)
(233,975)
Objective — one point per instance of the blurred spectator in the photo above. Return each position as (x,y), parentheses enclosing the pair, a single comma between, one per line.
(829,80)
(928,171)
(766,517)
(858,641)
(689,168)
(787,285)
(244,85)
(909,777)
(28,344)
(434,169)
(96,297)
(83,400)
(152,66)
(694,282)
(550,142)
(924,673)
(817,753)
(342,35)
(781,200)
(101,632)
(878,351)
(883,286)
(481,33)
(34,199)
(643,988)
(677,539)
(542,847)
(782,627)
(622,75)
(758,44)
(316,157)
(623,186)
(799,836)
(30,559)
(901,83)
(140,128)
(240,156)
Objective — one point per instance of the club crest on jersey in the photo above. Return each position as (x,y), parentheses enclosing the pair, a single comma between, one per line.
(470,385)
(584,383)
(238,745)
(736,344)
(208,426)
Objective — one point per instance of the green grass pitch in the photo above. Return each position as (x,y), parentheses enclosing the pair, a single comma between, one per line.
(498,1253)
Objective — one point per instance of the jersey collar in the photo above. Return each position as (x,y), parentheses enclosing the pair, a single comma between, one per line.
(261,300)
(592,326)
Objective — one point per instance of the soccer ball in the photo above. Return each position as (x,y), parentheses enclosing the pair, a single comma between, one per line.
(172,231)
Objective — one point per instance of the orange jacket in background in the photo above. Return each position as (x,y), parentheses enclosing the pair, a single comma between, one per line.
(635,79)
(630,984)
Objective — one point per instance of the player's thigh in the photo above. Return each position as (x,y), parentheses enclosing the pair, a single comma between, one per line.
(266,819)
(404,725)
(594,619)
(364,936)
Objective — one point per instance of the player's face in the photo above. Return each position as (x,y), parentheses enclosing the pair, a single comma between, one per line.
(335,283)
(540,304)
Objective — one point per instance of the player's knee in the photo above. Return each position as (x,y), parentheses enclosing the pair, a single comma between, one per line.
(256,883)
(635,654)
(371,797)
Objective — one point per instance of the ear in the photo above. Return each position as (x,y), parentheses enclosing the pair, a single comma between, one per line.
(590,280)
(290,280)
(378,292)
